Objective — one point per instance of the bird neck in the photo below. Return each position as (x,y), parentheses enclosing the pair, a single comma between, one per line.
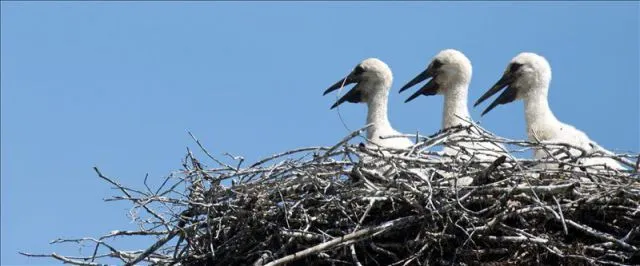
(455,106)
(377,115)
(539,117)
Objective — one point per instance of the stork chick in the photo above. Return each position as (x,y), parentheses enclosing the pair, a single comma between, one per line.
(527,78)
(450,72)
(373,80)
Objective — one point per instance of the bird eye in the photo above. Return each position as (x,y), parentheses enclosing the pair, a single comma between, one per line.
(514,67)
(436,64)
(358,70)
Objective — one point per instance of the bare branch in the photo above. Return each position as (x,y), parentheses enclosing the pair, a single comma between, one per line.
(371,205)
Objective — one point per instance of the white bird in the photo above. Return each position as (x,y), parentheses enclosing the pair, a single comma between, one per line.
(373,78)
(450,72)
(527,77)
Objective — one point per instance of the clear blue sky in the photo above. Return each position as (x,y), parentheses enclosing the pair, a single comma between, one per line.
(117,85)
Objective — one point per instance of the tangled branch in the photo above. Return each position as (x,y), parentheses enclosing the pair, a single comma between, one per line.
(351,204)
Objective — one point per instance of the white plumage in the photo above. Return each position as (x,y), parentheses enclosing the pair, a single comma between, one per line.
(450,72)
(374,79)
(528,77)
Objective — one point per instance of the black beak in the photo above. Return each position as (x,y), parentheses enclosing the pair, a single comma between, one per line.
(353,95)
(431,88)
(507,96)
(341,83)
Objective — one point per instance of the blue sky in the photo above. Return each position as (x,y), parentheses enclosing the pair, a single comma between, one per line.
(118,85)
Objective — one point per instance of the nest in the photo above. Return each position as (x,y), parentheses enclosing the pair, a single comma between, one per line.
(362,205)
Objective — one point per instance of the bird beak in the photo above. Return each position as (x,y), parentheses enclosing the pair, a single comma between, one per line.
(507,96)
(353,95)
(431,88)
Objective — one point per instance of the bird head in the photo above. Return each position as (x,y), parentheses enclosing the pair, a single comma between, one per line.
(447,70)
(527,74)
(372,78)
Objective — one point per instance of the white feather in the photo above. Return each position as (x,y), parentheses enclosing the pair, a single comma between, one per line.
(453,78)
(532,83)
(375,85)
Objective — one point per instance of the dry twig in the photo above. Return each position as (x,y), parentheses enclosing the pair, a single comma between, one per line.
(328,205)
